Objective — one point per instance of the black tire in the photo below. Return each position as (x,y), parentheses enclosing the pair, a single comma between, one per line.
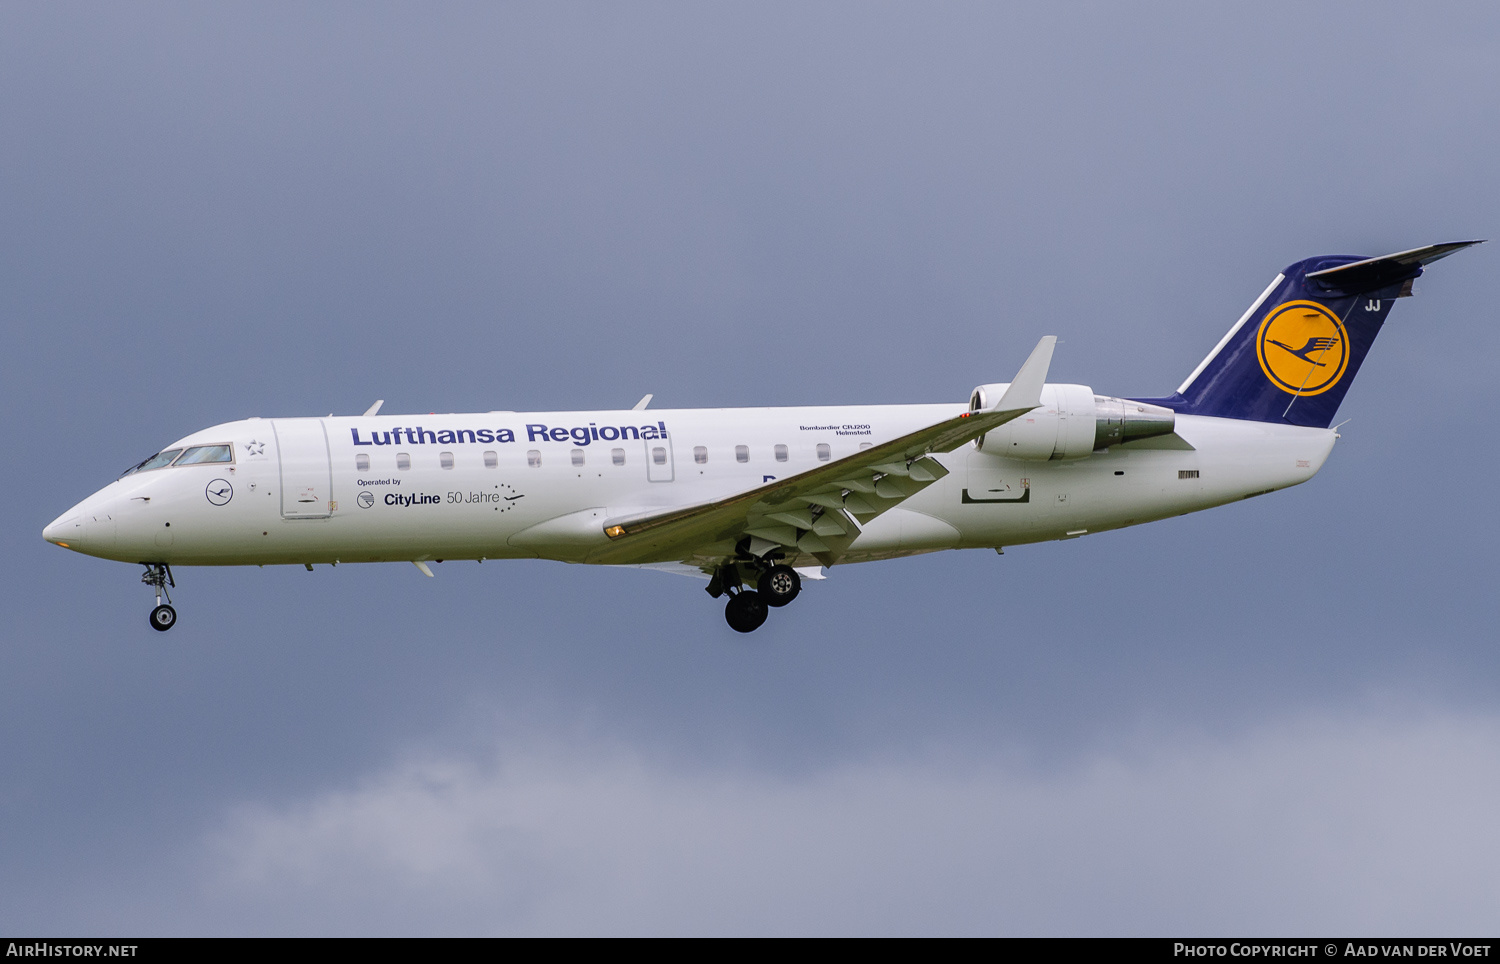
(779,585)
(163,618)
(745,611)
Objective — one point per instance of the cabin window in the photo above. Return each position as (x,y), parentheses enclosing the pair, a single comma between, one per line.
(780,453)
(362,462)
(824,452)
(491,460)
(617,456)
(577,457)
(700,454)
(742,453)
(659,455)
(445,459)
(403,460)
(199,454)
(865,445)
(534,458)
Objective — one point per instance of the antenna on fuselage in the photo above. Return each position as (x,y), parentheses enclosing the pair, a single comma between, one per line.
(645,400)
(374,408)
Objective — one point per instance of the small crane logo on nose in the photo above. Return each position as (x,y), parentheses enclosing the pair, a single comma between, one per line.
(219,492)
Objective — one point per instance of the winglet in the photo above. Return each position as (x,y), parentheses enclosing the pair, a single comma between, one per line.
(1025,391)
(645,400)
(374,408)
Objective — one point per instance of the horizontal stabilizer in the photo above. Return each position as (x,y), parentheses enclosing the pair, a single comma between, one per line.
(1372,273)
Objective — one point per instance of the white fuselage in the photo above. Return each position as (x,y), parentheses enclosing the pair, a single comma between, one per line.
(516,485)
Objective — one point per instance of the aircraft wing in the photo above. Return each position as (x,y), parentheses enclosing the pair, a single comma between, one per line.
(819,512)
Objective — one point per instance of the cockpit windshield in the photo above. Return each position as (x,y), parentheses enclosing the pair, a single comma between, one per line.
(155,462)
(194,455)
(199,454)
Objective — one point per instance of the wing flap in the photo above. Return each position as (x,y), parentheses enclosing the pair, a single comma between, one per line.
(801,518)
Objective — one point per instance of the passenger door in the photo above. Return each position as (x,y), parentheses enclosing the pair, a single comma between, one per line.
(306,473)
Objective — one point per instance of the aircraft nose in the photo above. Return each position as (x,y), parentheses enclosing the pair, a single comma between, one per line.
(66,530)
(87,527)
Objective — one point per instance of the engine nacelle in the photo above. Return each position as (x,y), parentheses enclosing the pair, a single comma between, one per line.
(1062,428)
(1119,420)
(1071,423)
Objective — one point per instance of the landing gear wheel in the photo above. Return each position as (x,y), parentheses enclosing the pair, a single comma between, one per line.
(779,585)
(745,611)
(163,618)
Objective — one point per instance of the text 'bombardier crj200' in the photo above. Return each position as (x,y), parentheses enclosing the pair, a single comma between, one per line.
(756,499)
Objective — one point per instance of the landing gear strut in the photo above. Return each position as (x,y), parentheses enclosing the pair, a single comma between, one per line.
(159,576)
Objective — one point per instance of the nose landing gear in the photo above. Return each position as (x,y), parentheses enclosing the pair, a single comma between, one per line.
(163,618)
(159,576)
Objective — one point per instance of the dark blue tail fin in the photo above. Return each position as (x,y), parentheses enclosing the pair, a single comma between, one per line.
(1293,355)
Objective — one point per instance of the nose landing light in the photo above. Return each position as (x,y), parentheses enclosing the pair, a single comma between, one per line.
(67,533)
(88,527)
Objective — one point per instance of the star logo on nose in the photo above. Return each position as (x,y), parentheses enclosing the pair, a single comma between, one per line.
(253,447)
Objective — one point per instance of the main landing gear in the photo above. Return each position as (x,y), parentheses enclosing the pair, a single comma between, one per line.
(779,585)
(159,576)
(747,609)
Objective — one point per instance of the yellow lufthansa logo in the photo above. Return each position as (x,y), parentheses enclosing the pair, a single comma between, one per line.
(1303,348)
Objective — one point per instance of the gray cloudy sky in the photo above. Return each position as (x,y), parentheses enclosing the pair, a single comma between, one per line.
(1278,717)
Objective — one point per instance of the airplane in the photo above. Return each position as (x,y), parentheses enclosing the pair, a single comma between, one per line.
(757,500)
